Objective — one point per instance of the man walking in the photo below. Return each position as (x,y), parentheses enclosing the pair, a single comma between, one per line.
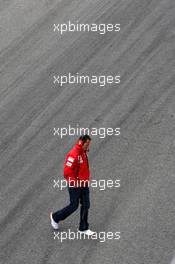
(76,173)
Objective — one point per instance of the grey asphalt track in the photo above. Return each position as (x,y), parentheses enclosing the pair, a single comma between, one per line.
(142,105)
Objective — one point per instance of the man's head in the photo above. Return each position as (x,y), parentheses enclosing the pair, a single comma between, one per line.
(85,139)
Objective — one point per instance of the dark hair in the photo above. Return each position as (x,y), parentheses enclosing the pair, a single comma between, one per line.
(84,138)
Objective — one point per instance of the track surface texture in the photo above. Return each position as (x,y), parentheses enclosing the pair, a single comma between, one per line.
(142,105)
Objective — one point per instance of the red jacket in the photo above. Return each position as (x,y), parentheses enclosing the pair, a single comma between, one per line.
(76,166)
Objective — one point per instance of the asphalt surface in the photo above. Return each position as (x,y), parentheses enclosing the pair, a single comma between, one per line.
(142,105)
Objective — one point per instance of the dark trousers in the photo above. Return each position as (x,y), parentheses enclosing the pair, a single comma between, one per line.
(76,194)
